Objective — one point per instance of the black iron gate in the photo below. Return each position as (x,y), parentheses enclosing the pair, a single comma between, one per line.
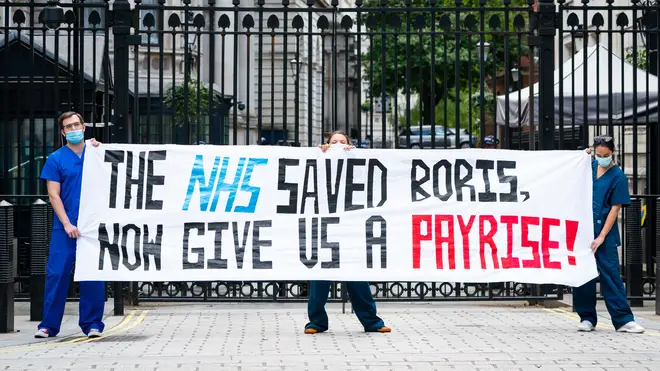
(403,73)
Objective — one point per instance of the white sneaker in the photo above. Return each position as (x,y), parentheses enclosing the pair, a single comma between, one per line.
(585,326)
(631,327)
(42,333)
(93,333)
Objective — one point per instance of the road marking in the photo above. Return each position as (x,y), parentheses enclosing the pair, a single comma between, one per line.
(119,328)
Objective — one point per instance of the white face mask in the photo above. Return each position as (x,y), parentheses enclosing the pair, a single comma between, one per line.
(604,161)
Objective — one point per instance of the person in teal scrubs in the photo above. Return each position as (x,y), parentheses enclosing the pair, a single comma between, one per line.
(63,174)
(610,193)
(359,292)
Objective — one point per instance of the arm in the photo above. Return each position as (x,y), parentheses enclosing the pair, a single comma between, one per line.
(58,207)
(609,222)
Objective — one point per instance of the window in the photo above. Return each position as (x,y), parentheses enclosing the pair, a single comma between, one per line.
(149,34)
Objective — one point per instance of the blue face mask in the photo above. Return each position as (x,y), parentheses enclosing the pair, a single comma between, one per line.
(604,161)
(75,136)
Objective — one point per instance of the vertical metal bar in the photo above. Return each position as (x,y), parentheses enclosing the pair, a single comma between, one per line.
(634,97)
(657,248)
(38,258)
(547,59)
(359,70)
(6,153)
(482,74)
(560,51)
(260,72)
(214,133)
(507,82)
(235,70)
(310,78)
(408,71)
(122,15)
(383,92)
(248,47)
(6,267)
(285,61)
(457,81)
(31,150)
(633,252)
(335,80)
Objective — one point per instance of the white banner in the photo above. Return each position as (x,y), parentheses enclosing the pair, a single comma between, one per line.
(202,213)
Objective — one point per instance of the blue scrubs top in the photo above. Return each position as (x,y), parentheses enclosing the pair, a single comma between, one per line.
(65,167)
(608,190)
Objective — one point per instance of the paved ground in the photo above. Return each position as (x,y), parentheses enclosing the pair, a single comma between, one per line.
(440,336)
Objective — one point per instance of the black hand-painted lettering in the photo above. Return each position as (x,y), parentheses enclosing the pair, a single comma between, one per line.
(137,232)
(130,181)
(187,264)
(325,244)
(151,247)
(381,240)
(282,185)
(416,184)
(115,157)
(512,196)
(373,164)
(154,180)
(217,262)
(310,167)
(351,186)
(302,242)
(112,248)
(487,196)
(239,249)
(447,177)
(257,244)
(332,196)
(463,182)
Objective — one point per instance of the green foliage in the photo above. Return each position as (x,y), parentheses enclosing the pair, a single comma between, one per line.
(176,97)
(434,57)
(445,111)
(641,58)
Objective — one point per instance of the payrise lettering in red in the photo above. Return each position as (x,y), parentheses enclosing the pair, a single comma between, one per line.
(445,229)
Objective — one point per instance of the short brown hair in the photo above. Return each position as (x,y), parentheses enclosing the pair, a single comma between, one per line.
(348,139)
(68,114)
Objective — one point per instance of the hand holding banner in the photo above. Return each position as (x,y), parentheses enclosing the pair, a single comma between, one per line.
(206,213)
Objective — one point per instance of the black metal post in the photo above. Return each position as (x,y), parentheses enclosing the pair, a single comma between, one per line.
(657,249)
(546,35)
(6,267)
(633,251)
(121,29)
(38,258)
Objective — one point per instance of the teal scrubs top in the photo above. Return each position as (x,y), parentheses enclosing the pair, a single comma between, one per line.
(608,190)
(65,167)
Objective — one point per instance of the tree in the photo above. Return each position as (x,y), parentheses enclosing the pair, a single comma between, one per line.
(197,96)
(406,62)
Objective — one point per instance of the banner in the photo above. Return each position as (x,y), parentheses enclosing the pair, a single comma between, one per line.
(202,213)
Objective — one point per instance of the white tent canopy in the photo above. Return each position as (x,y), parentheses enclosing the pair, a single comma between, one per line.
(596,91)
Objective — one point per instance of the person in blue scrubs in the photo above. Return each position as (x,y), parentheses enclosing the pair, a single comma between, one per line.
(610,193)
(359,292)
(63,174)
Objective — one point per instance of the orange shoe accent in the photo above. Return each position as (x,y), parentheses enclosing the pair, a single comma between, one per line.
(384,329)
(311,331)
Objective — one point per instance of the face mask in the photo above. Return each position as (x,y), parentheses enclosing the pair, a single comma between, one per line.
(75,136)
(604,161)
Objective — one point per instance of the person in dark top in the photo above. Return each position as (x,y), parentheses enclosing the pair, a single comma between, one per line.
(610,193)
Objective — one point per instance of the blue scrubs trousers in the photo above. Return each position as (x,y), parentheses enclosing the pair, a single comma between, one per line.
(61,257)
(361,299)
(584,297)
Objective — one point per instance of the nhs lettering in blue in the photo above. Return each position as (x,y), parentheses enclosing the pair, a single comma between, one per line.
(212,186)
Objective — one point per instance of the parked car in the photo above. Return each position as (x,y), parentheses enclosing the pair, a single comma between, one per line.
(465,141)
